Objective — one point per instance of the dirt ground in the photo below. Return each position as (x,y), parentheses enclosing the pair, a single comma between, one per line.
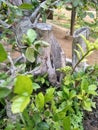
(65,43)
(61,32)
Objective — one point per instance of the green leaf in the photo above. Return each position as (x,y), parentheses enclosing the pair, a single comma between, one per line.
(3,53)
(81,50)
(49,94)
(25,6)
(84,84)
(37,117)
(31,35)
(40,101)
(35,86)
(66,91)
(72,94)
(79,96)
(42,126)
(4,92)
(30,54)
(89,46)
(41,43)
(78,54)
(93,104)
(76,2)
(87,104)
(67,123)
(23,85)
(68,80)
(92,89)
(19,104)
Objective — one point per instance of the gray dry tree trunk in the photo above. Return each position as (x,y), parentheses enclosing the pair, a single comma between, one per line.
(53,54)
(52,57)
(77,39)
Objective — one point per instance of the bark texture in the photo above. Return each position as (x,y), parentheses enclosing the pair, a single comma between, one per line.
(53,54)
(51,57)
(77,39)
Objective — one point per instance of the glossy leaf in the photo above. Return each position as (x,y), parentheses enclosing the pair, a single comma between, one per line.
(40,101)
(25,6)
(35,86)
(49,94)
(19,104)
(4,92)
(23,85)
(87,104)
(84,84)
(81,50)
(92,89)
(30,54)
(78,54)
(41,43)
(67,123)
(31,35)
(66,91)
(3,53)
(42,126)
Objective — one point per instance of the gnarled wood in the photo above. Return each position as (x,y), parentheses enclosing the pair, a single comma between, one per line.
(77,39)
(53,54)
(52,57)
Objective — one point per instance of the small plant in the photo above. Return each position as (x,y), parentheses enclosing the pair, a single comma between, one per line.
(54,108)
(58,108)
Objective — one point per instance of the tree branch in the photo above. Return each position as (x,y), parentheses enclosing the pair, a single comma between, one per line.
(3,23)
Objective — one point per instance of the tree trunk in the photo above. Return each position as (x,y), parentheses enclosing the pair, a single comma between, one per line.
(53,54)
(77,39)
(73,15)
(52,57)
(16,2)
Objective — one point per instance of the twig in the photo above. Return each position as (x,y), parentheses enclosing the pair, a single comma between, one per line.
(13,68)
(34,72)
(35,13)
(36,20)
(56,2)
(81,60)
(5,24)
(18,43)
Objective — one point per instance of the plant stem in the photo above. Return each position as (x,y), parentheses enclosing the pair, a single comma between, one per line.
(81,60)
(22,119)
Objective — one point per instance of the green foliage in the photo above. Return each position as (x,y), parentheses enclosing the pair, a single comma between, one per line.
(23,85)
(81,54)
(34,46)
(57,109)
(50,108)
(4,92)
(30,54)
(23,88)
(20,103)
(67,123)
(39,101)
(31,34)
(49,94)
(3,53)
(26,6)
